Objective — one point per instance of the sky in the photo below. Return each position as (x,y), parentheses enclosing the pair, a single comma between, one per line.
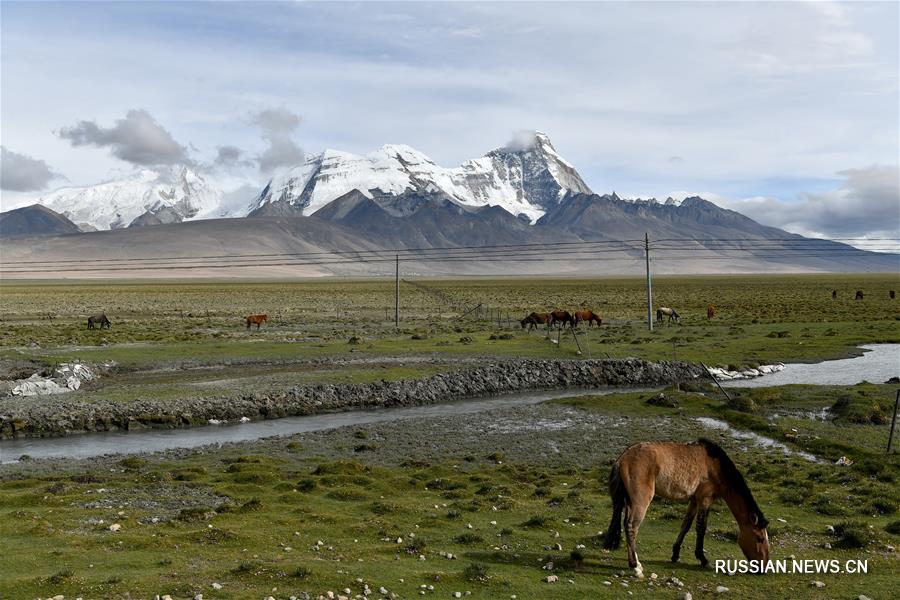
(786,111)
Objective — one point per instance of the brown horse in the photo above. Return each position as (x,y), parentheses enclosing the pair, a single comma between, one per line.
(710,312)
(699,472)
(98,321)
(562,318)
(859,295)
(257,320)
(892,294)
(834,294)
(589,316)
(535,319)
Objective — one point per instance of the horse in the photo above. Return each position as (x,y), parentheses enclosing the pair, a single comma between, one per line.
(535,319)
(834,294)
(98,320)
(892,294)
(710,312)
(257,320)
(859,295)
(699,472)
(589,316)
(669,312)
(563,318)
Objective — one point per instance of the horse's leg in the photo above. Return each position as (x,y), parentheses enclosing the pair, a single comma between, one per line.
(702,515)
(633,520)
(685,527)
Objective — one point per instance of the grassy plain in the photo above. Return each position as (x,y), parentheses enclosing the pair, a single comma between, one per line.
(317,512)
(250,516)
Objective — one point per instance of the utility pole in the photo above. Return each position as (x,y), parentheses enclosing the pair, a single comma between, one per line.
(397,293)
(649,283)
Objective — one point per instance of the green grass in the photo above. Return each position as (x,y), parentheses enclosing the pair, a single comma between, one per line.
(253,521)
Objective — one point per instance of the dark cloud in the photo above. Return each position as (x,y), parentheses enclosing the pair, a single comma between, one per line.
(230,156)
(21,173)
(276,121)
(866,204)
(137,139)
(277,125)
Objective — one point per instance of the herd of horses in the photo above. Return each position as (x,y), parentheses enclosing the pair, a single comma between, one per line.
(556,318)
(561,318)
(892,294)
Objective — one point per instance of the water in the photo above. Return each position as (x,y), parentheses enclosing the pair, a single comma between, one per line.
(754,438)
(879,363)
(156,440)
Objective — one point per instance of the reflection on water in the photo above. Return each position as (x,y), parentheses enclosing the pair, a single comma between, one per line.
(155,440)
(879,363)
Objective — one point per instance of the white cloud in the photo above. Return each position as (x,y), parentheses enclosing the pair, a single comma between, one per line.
(866,204)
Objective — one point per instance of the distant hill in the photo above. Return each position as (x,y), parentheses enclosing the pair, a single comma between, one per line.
(397,198)
(34,220)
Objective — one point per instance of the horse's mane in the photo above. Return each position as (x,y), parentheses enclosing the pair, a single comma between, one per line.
(734,479)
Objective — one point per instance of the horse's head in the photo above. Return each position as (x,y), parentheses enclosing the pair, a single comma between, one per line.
(524,322)
(753,538)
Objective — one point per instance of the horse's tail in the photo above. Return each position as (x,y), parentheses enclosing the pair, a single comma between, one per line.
(619,495)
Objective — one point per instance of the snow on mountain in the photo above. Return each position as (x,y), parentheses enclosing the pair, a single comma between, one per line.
(527,179)
(178,194)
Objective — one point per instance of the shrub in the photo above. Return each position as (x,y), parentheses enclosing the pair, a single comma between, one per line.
(476,572)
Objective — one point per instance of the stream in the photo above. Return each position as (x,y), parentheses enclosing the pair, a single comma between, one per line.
(877,364)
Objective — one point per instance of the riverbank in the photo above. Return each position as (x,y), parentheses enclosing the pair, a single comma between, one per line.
(57,415)
(494,501)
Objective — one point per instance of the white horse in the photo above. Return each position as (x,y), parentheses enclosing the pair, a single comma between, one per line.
(669,312)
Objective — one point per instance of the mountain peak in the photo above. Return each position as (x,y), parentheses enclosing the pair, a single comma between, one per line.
(527,176)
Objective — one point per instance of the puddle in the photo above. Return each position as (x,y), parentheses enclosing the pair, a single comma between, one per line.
(757,440)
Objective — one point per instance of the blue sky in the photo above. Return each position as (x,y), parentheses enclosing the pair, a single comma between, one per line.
(756,105)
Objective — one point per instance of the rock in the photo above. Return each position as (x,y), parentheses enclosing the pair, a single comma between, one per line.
(687,596)
(817,584)
(863,597)
(893,380)
(198,597)
(457,594)
(829,529)
(217,586)
(115,527)
(721,589)
(551,579)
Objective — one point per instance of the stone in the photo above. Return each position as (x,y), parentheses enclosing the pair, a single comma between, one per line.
(551,579)
(817,584)
(115,527)
(721,589)
(687,596)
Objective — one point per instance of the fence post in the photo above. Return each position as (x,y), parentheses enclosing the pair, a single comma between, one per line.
(893,421)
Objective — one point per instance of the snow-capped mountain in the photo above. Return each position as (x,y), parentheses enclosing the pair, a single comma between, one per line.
(528,179)
(145,196)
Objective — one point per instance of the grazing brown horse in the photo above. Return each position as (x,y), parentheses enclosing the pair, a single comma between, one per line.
(892,294)
(562,318)
(699,472)
(98,321)
(257,320)
(834,294)
(710,312)
(589,316)
(669,312)
(859,295)
(535,319)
